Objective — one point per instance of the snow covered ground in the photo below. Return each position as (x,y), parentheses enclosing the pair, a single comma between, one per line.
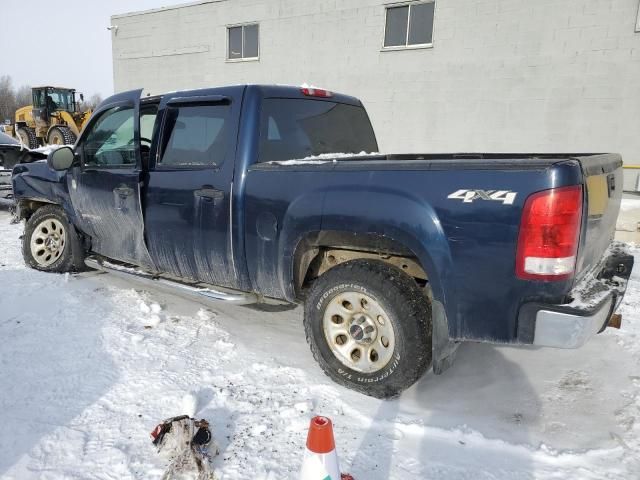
(90,364)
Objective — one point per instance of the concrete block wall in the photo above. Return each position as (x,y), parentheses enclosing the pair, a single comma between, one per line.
(503,75)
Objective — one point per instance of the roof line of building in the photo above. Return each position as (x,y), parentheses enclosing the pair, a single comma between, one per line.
(164,9)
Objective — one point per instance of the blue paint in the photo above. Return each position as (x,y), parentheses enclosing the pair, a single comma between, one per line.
(246,238)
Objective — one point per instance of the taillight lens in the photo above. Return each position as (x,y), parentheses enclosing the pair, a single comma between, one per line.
(316,92)
(549,234)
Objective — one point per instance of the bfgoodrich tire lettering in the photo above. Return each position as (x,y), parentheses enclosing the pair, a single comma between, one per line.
(365,288)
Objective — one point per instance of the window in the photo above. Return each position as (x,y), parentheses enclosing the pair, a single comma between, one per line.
(54,99)
(110,142)
(243,42)
(292,129)
(409,25)
(195,136)
(148,116)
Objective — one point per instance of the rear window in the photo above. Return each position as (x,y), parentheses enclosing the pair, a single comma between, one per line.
(292,129)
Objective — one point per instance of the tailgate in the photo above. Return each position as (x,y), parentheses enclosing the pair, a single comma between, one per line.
(603,180)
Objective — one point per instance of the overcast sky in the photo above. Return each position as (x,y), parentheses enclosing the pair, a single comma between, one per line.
(63,43)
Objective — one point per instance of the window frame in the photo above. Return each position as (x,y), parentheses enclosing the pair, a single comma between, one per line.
(158,165)
(406,46)
(242,58)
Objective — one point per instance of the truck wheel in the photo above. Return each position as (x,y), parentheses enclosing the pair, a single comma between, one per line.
(369,327)
(28,137)
(61,136)
(50,243)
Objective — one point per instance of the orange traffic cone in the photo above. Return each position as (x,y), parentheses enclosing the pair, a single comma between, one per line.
(320,459)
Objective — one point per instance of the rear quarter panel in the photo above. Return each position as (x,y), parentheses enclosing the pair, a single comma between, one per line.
(467,249)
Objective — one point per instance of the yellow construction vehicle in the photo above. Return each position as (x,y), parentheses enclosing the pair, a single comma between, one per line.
(54,118)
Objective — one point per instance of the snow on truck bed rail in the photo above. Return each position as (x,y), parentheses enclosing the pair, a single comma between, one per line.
(322,158)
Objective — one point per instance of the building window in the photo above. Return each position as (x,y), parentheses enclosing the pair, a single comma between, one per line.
(243,42)
(409,25)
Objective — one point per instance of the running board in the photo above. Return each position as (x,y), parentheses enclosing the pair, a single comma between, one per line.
(199,291)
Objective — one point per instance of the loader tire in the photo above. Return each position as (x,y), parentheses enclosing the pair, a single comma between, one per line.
(50,242)
(368,325)
(61,136)
(28,137)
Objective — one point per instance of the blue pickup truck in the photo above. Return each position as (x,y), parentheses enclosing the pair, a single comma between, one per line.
(274,196)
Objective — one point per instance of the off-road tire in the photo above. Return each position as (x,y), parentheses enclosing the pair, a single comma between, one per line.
(29,134)
(63,135)
(406,307)
(72,257)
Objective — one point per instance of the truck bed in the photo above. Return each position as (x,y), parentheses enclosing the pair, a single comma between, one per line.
(463,241)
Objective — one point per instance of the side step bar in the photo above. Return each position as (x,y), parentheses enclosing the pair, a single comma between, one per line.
(199,291)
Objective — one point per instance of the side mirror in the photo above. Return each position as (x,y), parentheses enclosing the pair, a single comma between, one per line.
(61,159)
(82,97)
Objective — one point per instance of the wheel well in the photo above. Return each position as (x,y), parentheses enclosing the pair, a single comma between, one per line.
(26,208)
(319,252)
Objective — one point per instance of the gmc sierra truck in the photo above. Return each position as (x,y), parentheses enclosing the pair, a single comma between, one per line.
(274,195)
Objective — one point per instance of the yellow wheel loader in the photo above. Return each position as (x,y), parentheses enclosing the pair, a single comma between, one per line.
(54,118)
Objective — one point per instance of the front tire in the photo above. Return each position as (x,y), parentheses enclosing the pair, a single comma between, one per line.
(50,243)
(61,136)
(368,325)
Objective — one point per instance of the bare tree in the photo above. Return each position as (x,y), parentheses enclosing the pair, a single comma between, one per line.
(23,96)
(7,99)
(91,103)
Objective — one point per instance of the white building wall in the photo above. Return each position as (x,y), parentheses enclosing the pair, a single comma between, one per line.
(503,75)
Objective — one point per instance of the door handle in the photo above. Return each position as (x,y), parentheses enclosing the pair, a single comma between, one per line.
(209,193)
(123,191)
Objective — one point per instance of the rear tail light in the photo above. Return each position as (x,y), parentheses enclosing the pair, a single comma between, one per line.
(316,92)
(549,234)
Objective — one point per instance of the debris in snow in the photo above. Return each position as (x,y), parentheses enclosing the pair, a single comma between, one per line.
(185,443)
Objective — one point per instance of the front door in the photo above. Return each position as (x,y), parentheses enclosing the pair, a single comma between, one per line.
(105,188)
(189,186)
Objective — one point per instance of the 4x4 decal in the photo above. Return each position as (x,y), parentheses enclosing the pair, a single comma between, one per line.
(507,197)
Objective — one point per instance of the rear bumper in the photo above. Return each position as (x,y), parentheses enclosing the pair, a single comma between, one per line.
(593,301)
(566,329)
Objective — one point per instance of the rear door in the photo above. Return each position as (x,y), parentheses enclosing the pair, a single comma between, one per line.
(105,187)
(190,185)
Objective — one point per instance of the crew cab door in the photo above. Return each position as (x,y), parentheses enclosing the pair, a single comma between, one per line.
(105,187)
(189,187)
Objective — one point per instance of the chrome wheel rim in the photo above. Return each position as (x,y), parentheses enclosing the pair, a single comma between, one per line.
(48,242)
(359,332)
